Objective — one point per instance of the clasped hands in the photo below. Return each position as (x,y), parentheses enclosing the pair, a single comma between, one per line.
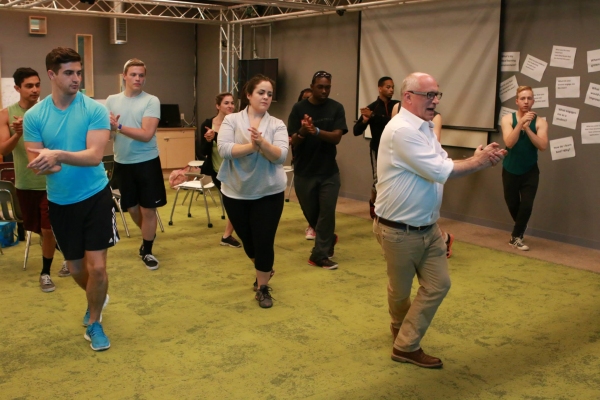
(491,154)
(46,161)
(527,118)
(256,138)
(307,127)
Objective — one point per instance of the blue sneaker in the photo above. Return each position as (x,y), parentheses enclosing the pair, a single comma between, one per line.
(95,334)
(86,317)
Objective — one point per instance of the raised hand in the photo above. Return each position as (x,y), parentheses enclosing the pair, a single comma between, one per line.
(209,135)
(114,121)
(18,125)
(366,113)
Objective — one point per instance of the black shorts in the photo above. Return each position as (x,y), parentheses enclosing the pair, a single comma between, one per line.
(141,184)
(89,225)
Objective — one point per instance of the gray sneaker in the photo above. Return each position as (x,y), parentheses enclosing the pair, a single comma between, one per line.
(64,271)
(46,283)
(518,244)
(263,296)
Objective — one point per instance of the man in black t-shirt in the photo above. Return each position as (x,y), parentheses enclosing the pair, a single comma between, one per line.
(316,126)
(376,115)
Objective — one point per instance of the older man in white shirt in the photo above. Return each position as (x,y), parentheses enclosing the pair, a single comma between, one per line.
(412,168)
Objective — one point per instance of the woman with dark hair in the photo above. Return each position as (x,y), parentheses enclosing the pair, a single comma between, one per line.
(304,94)
(208,146)
(254,146)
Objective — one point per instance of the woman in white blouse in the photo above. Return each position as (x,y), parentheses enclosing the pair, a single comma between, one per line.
(254,146)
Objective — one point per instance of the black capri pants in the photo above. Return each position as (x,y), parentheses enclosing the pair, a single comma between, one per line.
(255,222)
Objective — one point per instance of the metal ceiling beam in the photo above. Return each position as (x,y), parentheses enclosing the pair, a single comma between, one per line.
(249,12)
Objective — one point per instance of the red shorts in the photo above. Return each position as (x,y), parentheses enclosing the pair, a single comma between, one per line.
(34,207)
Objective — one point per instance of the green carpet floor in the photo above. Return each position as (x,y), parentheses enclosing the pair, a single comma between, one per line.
(510,328)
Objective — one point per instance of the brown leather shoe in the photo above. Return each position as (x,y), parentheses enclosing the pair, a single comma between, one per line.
(416,357)
(394,332)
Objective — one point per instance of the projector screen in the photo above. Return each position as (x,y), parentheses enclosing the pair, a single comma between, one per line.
(455,41)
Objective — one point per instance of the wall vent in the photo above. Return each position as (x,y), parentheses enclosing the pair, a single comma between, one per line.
(118,31)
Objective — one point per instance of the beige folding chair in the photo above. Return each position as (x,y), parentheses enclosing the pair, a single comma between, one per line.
(289,169)
(201,184)
(10,211)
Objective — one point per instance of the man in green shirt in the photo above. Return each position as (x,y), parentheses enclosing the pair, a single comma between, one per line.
(31,188)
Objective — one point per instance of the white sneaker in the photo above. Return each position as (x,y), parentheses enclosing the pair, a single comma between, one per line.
(310,233)
(518,244)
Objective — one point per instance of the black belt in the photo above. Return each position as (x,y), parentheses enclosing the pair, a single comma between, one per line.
(401,226)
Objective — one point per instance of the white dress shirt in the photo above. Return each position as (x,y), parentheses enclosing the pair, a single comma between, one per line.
(412,168)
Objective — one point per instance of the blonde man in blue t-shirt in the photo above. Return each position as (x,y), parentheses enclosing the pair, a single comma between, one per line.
(134,116)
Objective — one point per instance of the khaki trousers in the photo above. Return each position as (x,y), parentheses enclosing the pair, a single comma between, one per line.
(410,253)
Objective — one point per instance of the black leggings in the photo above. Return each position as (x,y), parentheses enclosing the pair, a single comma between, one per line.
(255,222)
(519,193)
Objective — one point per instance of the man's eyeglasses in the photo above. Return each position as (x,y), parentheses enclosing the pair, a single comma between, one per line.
(429,95)
(322,74)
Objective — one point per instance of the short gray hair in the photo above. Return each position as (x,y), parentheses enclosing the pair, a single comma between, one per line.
(411,82)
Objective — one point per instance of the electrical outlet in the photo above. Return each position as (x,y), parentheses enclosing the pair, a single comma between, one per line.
(182,116)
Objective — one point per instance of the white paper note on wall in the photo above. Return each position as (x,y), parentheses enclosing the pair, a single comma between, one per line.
(540,95)
(9,94)
(534,67)
(593,59)
(593,95)
(565,116)
(590,132)
(510,61)
(508,88)
(563,57)
(503,112)
(562,148)
(567,87)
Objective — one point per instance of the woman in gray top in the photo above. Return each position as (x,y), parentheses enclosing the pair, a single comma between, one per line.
(254,146)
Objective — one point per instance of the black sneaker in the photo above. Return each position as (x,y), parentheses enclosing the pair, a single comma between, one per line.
(150,261)
(256,280)
(518,244)
(230,241)
(264,297)
(325,263)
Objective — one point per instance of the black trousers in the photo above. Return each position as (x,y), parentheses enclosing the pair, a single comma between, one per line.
(255,222)
(318,196)
(519,194)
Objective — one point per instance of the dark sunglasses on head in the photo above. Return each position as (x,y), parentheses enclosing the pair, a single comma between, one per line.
(322,74)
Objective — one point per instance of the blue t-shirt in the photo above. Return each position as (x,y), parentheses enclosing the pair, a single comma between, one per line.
(67,130)
(131,111)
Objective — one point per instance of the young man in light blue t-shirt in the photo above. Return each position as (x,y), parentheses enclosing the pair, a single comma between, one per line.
(134,116)
(65,136)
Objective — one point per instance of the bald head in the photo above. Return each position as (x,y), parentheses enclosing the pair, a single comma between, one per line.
(414,95)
